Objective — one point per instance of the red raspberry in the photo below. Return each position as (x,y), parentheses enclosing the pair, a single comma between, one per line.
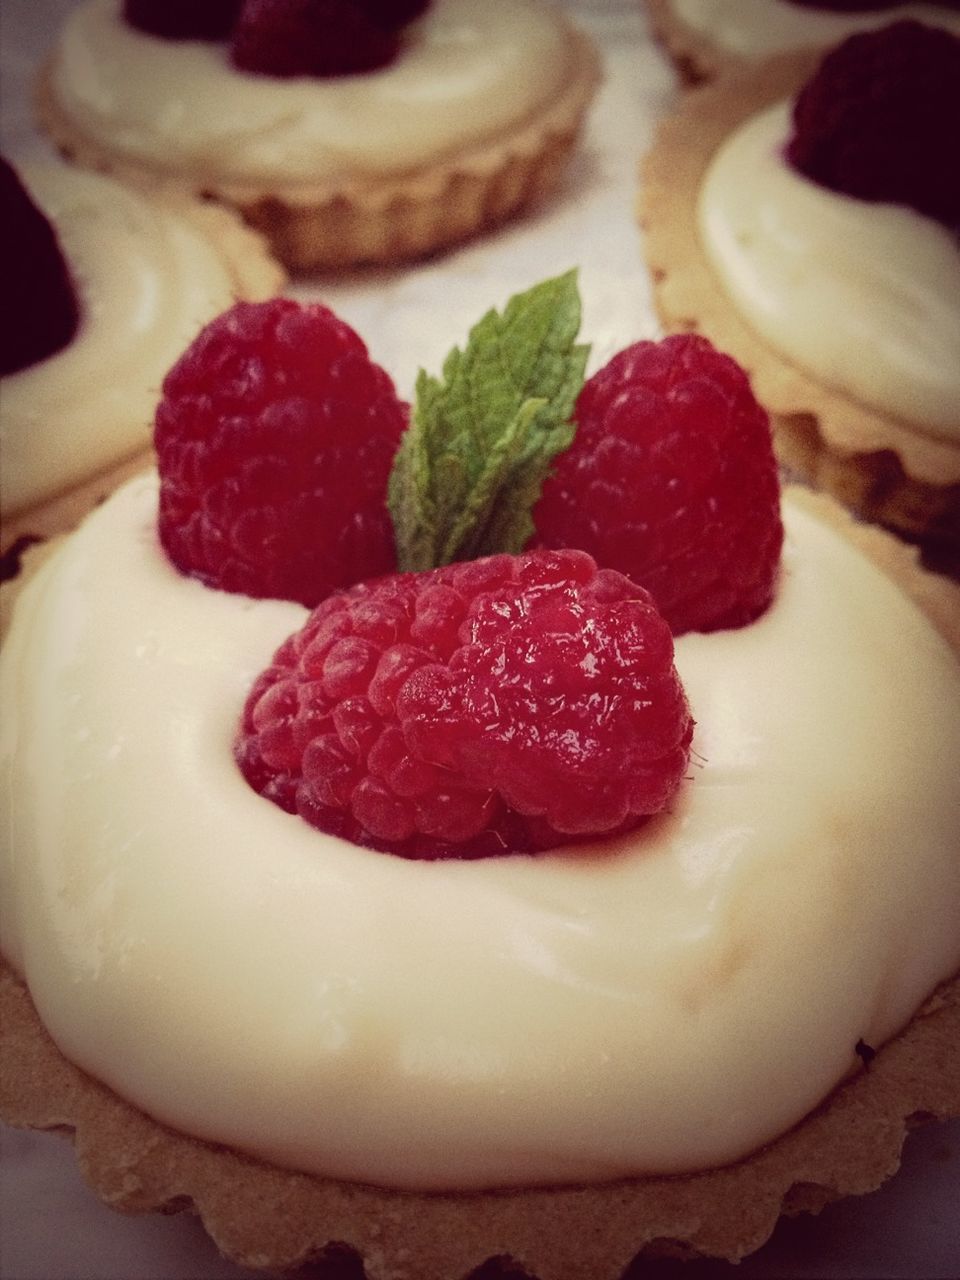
(875,120)
(671,479)
(309,38)
(41,312)
(392,14)
(275,437)
(510,703)
(183,19)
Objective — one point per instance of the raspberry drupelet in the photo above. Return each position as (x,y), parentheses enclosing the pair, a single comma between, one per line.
(275,437)
(671,479)
(508,704)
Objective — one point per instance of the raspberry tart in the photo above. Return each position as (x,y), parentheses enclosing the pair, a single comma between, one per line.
(793,215)
(347,131)
(105,287)
(474,851)
(707,38)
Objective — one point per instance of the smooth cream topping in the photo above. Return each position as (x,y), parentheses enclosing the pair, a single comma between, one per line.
(148,280)
(468,69)
(758,28)
(662,1004)
(864,296)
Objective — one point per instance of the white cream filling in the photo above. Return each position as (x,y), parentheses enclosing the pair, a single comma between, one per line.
(664,1004)
(864,296)
(147,281)
(759,28)
(468,70)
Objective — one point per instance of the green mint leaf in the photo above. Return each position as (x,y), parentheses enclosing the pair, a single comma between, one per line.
(481,439)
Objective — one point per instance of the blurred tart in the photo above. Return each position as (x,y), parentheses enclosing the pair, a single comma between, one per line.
(146,275)
(844,310)
(471,120)
(706,38)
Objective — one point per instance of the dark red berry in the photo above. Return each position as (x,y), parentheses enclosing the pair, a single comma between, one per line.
(392,14)
(508,704)
(40,307)
(671,479)
(878,118)
(309,38)
(275,437)
(183,19)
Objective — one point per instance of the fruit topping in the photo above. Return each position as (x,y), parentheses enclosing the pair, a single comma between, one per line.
(41,311)
(508,704)
(874,120)
(310,38)
(183,19)
(394,13)
(671,479)
(275,436)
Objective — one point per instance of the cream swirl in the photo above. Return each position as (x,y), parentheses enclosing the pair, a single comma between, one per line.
(664,1003)
(467,70)
(864,296)
(148,280)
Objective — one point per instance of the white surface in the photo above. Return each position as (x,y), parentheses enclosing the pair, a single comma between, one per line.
(51,1228)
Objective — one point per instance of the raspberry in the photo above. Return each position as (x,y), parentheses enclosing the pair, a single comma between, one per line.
(875,119)
(183,19)
(509,703)
(309,38)
(41,312)
(392,14)
(275,437)
(671,479)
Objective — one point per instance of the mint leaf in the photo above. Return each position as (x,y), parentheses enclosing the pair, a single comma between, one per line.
(481,439)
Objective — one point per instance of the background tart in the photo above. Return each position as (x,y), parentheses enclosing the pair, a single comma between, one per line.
(149,273)
(706,38)
(879,464)
(383,191)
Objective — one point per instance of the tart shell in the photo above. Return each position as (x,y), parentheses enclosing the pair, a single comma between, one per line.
(265,1217)
(355,218)
(883,468)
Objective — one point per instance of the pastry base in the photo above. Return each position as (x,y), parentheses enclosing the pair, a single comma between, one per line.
(265,1217)
(255,276)
(880,467)
(354,218)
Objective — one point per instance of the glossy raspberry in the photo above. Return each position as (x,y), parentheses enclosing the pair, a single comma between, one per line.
(310,38)
(875,121)
(183,19)
(40,307)
(512,703)
(671,479)
(275,437)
